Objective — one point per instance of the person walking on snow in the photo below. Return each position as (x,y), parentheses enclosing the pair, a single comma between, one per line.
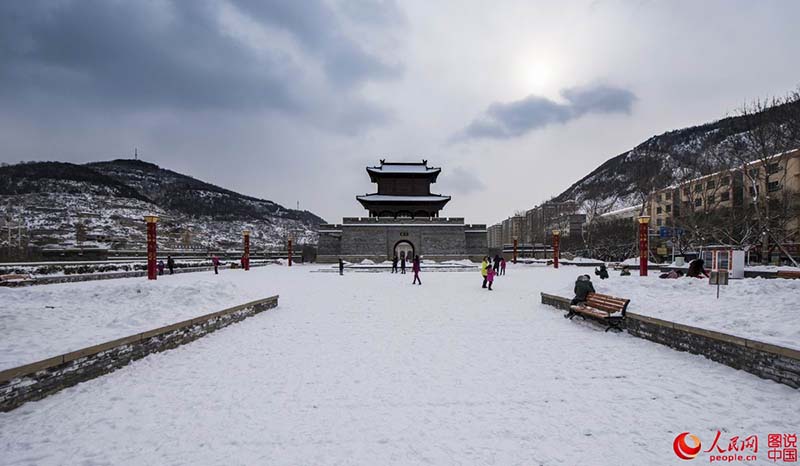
(490,277)
(215,261)
(415,268)
(394,264)
(496,263)
(160,267)
(171,264)
(502,266)
(484,269)
(602,272)
(341,266)
(402,263)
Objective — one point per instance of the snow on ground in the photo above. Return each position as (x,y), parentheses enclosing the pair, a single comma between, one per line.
(760,309)
(634,262)
(370,369)
(582,260)
(39,322)
(43,321)
(772,268)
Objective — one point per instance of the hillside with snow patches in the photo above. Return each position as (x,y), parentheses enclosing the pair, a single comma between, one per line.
(103,204)
(669,158)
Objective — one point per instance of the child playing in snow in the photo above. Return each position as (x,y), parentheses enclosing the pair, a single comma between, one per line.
(490,277)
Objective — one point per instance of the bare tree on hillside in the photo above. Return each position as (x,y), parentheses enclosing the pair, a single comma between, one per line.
(646,168)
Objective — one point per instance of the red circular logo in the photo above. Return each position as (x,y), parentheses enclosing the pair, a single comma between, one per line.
(682,448)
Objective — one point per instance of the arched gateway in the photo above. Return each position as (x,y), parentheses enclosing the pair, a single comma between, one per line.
(404,248)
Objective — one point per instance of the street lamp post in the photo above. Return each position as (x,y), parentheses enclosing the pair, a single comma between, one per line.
(152,247)
(644,236)
(514,257)
(246,256)
(556,245)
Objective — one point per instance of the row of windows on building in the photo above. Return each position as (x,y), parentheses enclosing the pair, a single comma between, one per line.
(772,186)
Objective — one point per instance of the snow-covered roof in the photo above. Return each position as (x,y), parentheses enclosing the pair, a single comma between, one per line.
(404,168)
(390,198)
(622,211)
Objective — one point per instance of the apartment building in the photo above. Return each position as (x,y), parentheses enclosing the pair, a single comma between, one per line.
(775,180)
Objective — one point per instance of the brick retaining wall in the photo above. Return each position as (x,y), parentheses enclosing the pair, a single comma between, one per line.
(37,380)
(762,359)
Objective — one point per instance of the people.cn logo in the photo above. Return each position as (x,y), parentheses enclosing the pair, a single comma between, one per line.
(683,450)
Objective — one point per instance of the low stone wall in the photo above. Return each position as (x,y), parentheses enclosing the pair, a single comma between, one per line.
(111,275)
(37,380)
(748,273)
(762,359)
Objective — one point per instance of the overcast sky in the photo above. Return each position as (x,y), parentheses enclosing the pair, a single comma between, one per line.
(289,101)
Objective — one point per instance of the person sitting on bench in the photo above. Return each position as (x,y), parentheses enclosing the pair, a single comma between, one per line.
(583,286)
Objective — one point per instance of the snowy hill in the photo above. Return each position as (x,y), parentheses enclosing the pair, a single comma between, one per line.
(669,158)
(103,204)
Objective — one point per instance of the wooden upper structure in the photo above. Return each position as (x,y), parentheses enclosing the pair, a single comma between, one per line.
(404,190)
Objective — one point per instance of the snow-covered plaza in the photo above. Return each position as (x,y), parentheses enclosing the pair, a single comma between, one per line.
(367,368)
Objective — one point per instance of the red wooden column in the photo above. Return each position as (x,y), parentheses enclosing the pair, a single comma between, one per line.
(152,247)
(556,244)
(246,257)
(644,236)
(290,252)
(514,259)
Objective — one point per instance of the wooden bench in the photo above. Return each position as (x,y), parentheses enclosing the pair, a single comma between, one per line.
(603,308)
(788,274)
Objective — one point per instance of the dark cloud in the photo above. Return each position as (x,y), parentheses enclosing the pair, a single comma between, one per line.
(509,120)
(177,55)
(134,53)
(314,26)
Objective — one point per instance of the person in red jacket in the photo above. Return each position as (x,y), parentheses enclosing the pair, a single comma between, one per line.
(215,261)
(415,268)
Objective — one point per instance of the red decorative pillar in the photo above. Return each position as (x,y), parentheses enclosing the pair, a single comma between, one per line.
(644,236)
(514,258)
(152,247)
(290,252)
(246,257)
(556,244)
